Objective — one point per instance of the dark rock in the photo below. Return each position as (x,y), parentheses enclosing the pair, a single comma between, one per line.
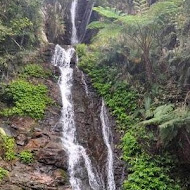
(89,129)
(21,139)
(56,157)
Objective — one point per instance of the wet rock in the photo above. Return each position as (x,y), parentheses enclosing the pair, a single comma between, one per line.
(21,139)
(56,157)
(10,187)
(89,128)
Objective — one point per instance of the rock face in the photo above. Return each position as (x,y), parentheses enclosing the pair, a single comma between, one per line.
(84,10)
(89,128)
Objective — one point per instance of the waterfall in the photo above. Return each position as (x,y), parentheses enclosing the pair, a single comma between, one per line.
(75,152)
(74,38)
(106,135)
(79,164)
(84,83)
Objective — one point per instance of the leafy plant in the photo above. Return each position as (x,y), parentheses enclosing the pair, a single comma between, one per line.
(27,99)
(35,70)
(146,173)
(169,121)
(26,157)
(3,173)
(81,50)
(139,31)
(8,145)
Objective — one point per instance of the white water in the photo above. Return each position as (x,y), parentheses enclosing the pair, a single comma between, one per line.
(74,38)
(62,59)
(106,135)
(84,83)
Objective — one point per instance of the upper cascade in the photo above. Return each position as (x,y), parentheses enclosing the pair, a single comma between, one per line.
(74,37)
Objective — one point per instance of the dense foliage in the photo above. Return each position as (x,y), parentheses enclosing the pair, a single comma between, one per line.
(146,171)
(19,21)
(35,70)
(126,62)
(26,99)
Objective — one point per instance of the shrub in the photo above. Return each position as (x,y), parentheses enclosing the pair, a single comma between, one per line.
(27,99)
(148,173)
(3,173)
(81,50)
(35,70)
(26,157)
(8,145)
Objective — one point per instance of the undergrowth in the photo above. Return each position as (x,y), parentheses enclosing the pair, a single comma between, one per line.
(3,173)
(34,70)
(26,99)
(8,145)
(147,170)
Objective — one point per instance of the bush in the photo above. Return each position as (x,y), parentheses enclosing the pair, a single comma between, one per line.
(26,157)
(35,70)
(27,99)
(3,173)
(81,50)
(8,145)
(147,173)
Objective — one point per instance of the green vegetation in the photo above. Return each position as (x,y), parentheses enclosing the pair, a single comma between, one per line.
(125,62)
(26,99)
(141,32)
(35,70)
(169,121)
(3,173)
(19,23)
(8,145)
(26,157)
(146,171)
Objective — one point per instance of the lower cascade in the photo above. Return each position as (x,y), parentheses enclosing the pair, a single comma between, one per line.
(106,135)
(76,153)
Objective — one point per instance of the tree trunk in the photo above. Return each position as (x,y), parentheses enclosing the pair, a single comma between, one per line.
(148,66)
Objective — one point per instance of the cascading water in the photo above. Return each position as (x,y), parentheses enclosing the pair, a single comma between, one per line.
(74,38)
(106,135)
(76,153)
(84,82)
(79,163)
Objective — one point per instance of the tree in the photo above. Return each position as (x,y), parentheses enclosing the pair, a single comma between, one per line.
(141,30)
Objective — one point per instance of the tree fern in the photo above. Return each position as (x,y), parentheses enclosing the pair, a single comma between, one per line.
(107,12)
(169,121)
(141,6)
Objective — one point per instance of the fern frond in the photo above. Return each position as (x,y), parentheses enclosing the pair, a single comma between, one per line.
(108,12)
(98,25)
(169,121)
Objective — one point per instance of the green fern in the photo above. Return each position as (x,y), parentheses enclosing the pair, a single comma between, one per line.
(169,121)
(141,6)
(109,12)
